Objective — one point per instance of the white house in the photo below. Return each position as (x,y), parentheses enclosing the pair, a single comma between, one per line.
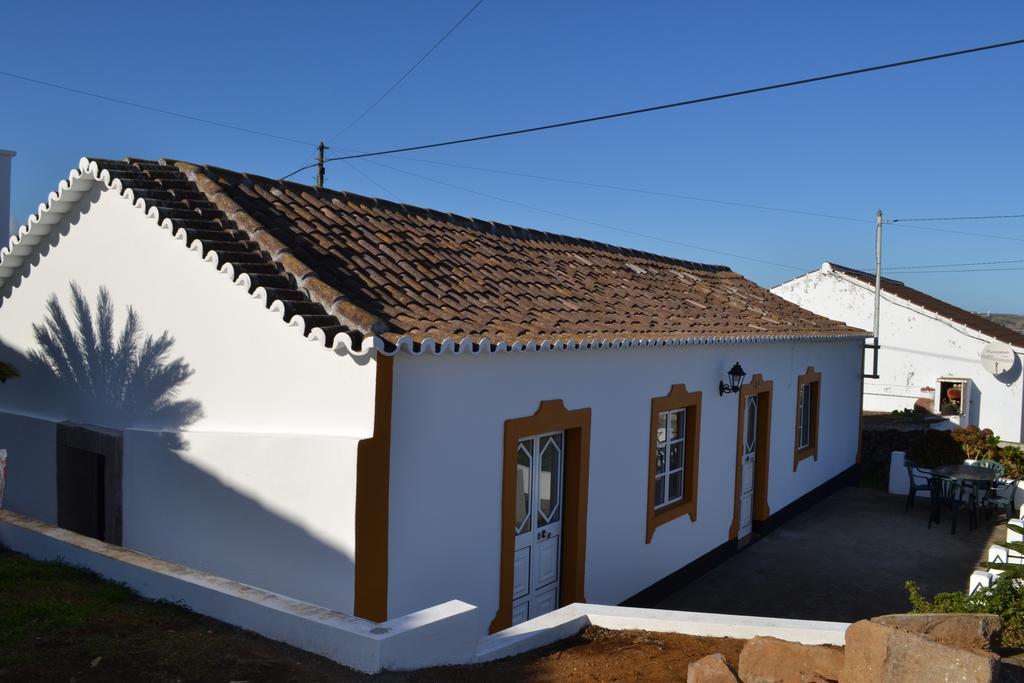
(377,408)
(933,354)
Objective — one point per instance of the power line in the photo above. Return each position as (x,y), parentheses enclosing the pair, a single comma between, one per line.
(966,270)
(958,218)
(636,190)
(408,71)
(951,265)
(584,220)
(671,105)
(374,182)
(166,112)
(957,232)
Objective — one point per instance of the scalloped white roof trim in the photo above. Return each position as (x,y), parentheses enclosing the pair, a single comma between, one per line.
(18,257)
(475,347)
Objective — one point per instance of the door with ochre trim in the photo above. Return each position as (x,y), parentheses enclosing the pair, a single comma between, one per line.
(540,466)
(748,464)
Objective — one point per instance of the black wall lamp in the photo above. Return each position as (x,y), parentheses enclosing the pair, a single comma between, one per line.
(736,376)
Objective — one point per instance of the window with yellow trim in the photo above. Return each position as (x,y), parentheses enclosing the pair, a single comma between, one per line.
(808,402)
(674,449)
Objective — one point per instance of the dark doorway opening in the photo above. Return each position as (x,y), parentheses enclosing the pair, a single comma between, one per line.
(89,481)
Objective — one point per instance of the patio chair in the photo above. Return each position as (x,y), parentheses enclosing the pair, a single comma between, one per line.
(946,493)
(918,482)
(999,494)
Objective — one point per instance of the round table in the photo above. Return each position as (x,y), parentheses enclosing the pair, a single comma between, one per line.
(967,473)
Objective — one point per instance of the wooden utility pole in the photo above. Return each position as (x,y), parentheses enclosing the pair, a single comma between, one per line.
(320,164)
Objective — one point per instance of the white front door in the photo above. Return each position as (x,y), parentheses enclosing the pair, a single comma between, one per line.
(538,525)
(747,466)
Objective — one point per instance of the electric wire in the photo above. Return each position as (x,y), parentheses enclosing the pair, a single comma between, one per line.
(369,178)
(949,265)
(408,71)
(928,228)
(635,190)
(158,110)
(959,218)
(585,220)
(672,105)
(405,75)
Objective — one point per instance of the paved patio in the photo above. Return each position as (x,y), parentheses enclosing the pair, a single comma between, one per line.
(844,559)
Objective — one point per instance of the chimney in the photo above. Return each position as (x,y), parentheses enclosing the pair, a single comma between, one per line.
(5,193)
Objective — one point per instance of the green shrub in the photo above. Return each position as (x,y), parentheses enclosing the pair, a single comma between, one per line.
(1012,458)
(1005,597)
(977,443)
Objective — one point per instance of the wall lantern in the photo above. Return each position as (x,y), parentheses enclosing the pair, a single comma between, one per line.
(736,375)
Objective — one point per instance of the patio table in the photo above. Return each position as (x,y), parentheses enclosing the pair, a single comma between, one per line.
(967,473)
(978,478)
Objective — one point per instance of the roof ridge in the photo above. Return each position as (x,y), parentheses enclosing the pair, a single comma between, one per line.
(307,279)
(937,306)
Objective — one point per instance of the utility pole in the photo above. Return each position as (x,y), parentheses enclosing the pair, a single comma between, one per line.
(878,289)
(320,164)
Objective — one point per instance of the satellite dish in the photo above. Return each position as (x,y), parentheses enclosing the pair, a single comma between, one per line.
(997,357)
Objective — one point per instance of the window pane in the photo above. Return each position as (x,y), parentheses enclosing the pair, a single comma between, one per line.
(675,486)
(662,427)
(550,479)
(524,456)
(750,425)
(659,490)
(675,452)
(805,415)
(677,427)
(659,460)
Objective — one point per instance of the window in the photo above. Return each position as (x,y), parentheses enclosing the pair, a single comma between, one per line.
(675,438)
(668,458)
(808,395)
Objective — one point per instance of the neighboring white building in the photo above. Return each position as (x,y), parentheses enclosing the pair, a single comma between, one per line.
(378,408)
(931,351)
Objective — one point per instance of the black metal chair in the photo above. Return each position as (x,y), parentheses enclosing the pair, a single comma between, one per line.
(947,493)
(918,482)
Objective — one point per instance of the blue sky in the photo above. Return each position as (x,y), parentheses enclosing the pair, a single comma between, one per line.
(938,139)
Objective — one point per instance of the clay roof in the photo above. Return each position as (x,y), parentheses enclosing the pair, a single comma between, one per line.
(357,268)
(946,310)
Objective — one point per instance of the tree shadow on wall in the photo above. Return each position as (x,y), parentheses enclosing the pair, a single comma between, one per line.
(122,378)
(184,494)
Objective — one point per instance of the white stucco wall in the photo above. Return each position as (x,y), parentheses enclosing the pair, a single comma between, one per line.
(917,348)
(259,487)
(274,511)
(447,430)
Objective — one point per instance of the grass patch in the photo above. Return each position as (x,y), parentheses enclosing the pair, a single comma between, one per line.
(61,622)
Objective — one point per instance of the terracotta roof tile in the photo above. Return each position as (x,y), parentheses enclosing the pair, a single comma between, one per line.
(370,267)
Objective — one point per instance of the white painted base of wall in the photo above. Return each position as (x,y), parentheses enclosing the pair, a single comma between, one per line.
(568,620)
(440,635)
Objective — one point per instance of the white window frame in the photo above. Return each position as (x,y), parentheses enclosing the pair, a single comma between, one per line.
(661,479)
(804,416)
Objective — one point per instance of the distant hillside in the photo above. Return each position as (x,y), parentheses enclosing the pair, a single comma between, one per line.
(1011,320)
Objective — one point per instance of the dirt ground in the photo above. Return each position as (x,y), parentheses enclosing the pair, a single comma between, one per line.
(59,623)
(597,654)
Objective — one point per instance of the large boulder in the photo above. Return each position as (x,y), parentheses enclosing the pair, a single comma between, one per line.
(879,652)
(969,631)
(770,660)
(710,669)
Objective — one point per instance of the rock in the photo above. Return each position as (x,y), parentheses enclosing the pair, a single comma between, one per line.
(970,631)
(710,669)
(770,660)
(877,652)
